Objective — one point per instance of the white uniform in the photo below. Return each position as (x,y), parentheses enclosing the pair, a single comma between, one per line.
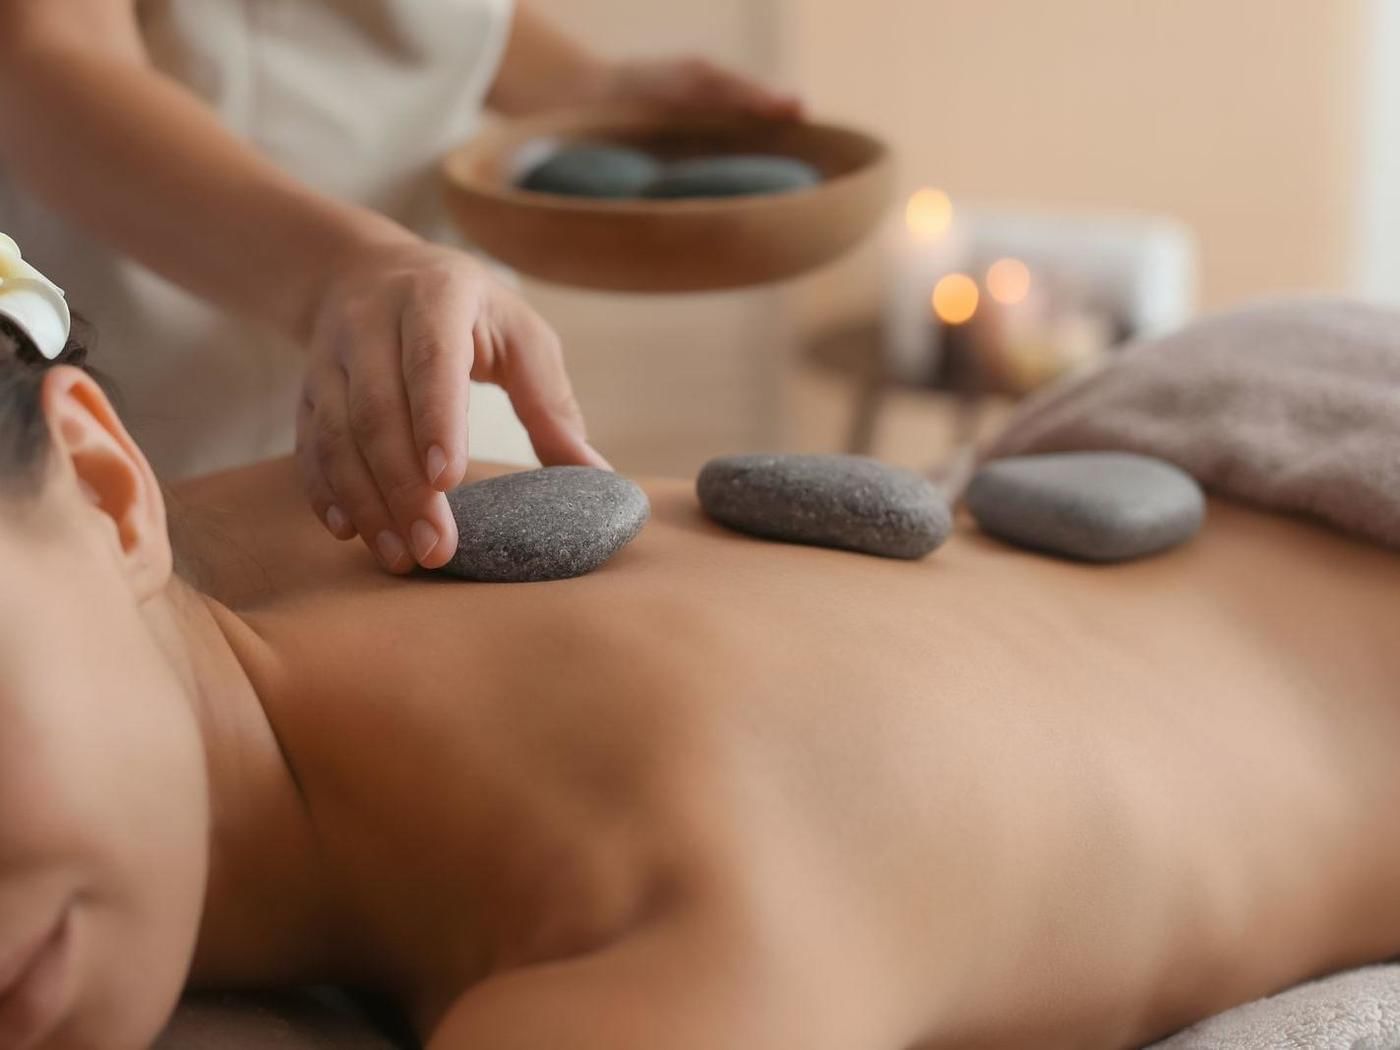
(359,99)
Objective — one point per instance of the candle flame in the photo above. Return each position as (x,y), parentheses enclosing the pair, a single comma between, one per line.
(1009,281)
(955,299)
(929,214)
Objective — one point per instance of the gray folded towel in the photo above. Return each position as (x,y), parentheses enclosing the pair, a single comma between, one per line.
(312,1019)
(1290,405)
(1359,1010)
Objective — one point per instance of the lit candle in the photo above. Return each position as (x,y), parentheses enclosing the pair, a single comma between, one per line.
(931,246)
(956,298)
(1009,281)
(1017,322)
(1040,334)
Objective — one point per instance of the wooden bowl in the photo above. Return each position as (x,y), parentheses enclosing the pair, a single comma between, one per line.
(668,245)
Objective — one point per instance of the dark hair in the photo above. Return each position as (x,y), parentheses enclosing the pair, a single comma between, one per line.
(24,433)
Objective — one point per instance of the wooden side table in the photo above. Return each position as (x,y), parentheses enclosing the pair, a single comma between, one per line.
(859,353)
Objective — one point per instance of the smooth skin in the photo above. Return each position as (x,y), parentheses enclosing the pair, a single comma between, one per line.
(392,326)
(721,793)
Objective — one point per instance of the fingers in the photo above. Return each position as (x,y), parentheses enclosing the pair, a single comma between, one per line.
(436,338)
(334,472)
(419,525)
(531,370)
(714,87)
(343,488)
(318,490)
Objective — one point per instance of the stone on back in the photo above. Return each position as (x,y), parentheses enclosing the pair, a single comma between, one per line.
(1089,506)
(844,502)
(550,524)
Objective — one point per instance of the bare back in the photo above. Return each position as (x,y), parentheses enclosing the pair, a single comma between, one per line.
(726,792)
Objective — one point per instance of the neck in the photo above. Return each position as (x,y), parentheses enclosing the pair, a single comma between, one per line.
(265,918)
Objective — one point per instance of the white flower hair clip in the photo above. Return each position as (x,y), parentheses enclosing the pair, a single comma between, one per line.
(32,302)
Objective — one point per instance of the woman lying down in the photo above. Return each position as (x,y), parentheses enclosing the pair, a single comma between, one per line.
(722,793)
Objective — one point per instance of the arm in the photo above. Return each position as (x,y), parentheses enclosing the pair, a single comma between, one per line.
(97,134)
(638,995)
(546,69)
(392,326)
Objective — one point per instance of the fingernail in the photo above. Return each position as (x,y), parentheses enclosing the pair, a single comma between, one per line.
(437,463)
(336,521)
(425,538)
(390,549)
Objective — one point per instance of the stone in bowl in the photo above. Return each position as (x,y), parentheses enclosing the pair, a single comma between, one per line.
(550,524)
(593,171)
(650,245)
(741,176)
(844,502)
(1089,506)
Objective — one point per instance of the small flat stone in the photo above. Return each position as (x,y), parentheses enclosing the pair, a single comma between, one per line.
(736,176)
(846,502)
(1090,506)
(593,171)
(549,524)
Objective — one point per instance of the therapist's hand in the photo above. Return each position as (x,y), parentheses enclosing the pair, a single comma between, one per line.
(696,84)
(547,68)
(382,425)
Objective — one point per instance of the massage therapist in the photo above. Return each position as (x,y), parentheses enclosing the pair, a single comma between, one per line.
(242,194)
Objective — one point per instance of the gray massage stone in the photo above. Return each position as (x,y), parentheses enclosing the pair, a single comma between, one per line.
(1090,506)
(593,171)
(549,524)
(845,502)
(735,176)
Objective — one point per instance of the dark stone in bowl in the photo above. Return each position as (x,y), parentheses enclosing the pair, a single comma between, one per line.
(593,171)
(737,176)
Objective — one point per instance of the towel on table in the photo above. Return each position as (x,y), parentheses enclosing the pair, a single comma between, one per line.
(1290,405)
(1359,1010)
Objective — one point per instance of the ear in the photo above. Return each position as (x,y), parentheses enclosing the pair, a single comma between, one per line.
(112,475)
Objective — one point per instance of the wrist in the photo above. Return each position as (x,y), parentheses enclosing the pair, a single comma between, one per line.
(356,240)
(585,80)
(599,81)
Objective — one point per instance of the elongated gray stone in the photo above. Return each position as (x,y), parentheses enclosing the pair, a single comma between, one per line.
(846,502)
(1090,506)
(735,176)
(593,171)
(549,524)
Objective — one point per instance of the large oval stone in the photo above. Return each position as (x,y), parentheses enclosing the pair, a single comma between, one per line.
(1091,506)
(846,502)
(736,176)
(593,171)
(550,524)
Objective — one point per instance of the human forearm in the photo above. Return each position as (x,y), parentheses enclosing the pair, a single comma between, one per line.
(544,68)
(113,145)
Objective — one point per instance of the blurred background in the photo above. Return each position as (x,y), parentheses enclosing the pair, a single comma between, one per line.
(1071,174)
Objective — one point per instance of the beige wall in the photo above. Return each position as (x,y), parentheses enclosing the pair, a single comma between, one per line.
(1238,116)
